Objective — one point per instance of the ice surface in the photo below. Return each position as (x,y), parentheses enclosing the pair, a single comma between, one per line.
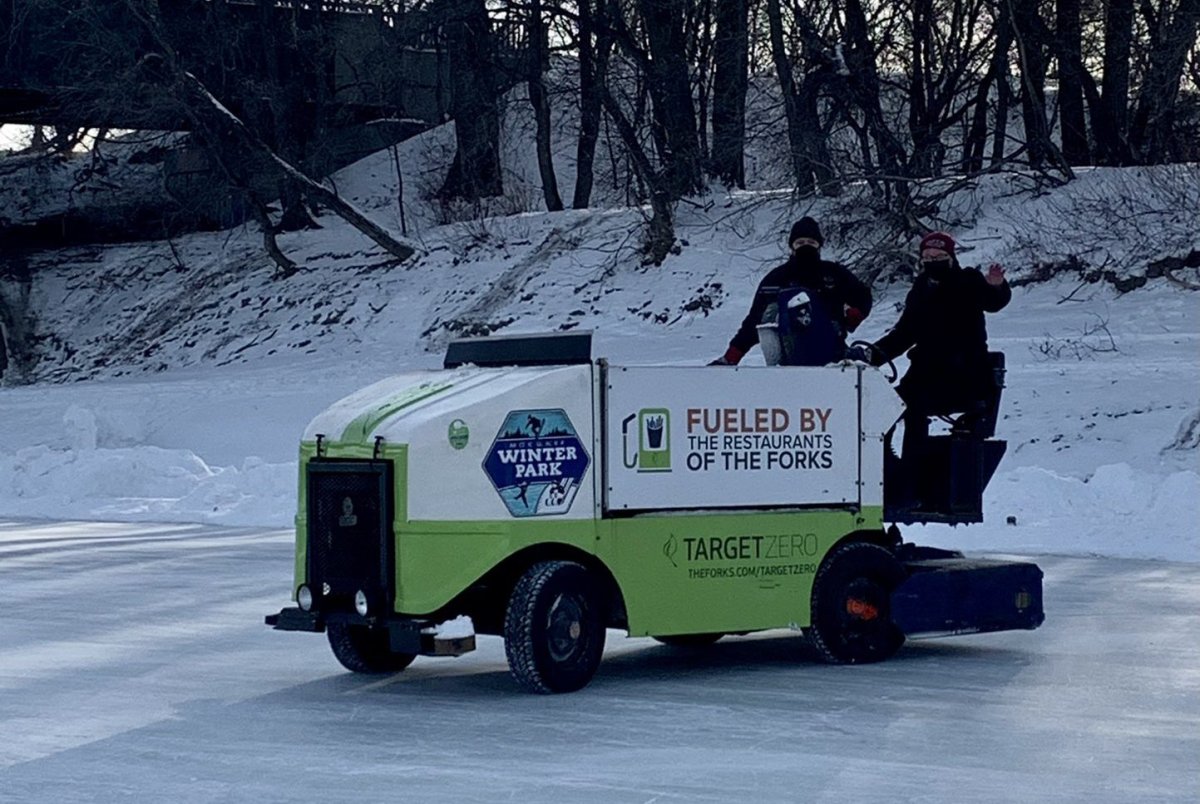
(136,668)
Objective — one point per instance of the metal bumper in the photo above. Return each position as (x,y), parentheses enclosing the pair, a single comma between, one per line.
(404,635)
(944,596)
(295,619)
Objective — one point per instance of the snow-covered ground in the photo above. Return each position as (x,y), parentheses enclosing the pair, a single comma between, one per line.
(176,377)
(1093,465)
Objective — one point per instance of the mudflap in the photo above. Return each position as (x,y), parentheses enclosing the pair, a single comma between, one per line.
(955,595)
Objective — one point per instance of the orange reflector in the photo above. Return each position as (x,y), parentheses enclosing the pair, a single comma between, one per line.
(861,609)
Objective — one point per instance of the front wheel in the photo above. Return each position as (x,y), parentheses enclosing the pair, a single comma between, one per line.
(365,650)
(554,628)
(851,605)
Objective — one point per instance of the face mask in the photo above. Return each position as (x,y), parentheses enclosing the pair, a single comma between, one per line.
(937,269)
(808,253)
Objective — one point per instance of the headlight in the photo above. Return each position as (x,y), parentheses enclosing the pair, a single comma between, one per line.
(360,602)
(304,597)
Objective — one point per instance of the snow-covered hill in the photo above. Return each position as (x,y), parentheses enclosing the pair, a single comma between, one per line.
(176,377)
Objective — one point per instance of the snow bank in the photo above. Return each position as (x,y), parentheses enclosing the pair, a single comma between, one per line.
(1117,511)
(144,483)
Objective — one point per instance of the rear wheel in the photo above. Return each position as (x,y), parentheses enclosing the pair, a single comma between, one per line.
(365,650)
(851,605)
(688,640)
(554,628)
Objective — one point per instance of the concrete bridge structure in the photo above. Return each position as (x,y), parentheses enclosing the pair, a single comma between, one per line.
(373,74)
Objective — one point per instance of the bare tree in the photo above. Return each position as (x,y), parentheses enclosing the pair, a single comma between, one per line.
(730,84)
(865,93)
(670,88)
(1152,127)
(595,43)
(475,172)
(1110,118)
(1032,37)
(539,64)
(808,145)
(1069,50)
(948,50)
(995,78)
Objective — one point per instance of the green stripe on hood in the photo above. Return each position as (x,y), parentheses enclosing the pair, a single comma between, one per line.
(361,428)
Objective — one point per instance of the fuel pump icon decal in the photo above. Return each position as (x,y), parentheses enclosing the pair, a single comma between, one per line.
(653,440)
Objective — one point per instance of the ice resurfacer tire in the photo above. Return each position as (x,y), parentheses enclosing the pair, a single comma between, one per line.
(365,650)
(851,605)
(554,628)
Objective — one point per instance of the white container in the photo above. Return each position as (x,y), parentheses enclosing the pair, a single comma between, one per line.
(772,348)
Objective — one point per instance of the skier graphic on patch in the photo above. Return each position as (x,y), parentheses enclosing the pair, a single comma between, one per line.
(535,425)
(537,462)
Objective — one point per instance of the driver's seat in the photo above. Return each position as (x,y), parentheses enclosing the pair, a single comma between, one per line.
(945,480)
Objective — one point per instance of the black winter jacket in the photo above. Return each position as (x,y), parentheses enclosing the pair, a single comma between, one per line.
(943,324)
(832,283)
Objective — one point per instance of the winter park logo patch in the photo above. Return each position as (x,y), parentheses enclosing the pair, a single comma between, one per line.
(537,462)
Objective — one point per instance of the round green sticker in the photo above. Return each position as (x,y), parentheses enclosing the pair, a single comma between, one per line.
(459,434)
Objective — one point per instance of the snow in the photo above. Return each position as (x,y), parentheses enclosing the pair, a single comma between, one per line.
(1093,465)
(458,628)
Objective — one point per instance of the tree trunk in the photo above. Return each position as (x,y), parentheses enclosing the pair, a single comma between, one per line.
(1070,82)
(783,69)
(1003,86)
(540,63)
(660,238)
(475,173)
(1030,37)
(925,139)
(592,59)
(997,75)
(1110,122)
(865,88)
(730,84)
(671,91)
(1151,134)
(283,120)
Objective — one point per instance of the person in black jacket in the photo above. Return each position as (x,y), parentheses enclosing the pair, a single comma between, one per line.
(943,330)
(846,298)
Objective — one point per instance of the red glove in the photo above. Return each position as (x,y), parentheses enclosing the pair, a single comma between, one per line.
(730,358)
(853,316)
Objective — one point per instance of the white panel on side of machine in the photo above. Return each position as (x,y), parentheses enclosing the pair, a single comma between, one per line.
(881,407)
(521,445)
(697,437)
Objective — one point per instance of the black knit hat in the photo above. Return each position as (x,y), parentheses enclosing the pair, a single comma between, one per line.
(806,227)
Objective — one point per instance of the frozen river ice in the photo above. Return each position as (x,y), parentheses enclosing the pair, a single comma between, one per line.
(136,667)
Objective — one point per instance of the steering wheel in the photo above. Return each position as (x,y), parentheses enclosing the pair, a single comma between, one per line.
(871,348)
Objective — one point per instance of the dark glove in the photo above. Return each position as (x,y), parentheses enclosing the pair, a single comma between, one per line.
(861,354)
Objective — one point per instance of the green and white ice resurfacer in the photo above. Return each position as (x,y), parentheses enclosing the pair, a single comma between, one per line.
(550,497)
